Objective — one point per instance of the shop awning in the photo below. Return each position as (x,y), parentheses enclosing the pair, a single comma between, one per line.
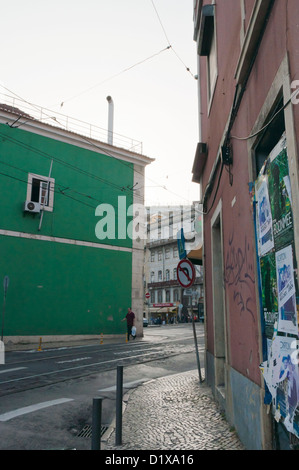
(195,256)
(162,309)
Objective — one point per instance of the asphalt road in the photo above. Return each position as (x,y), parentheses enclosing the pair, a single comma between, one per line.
(46,396)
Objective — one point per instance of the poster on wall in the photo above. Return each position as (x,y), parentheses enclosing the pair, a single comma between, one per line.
(264,217)
(287,318)
(280,196)
(279,287)
(281,375)
(296,422)
(287,393)
(269,293)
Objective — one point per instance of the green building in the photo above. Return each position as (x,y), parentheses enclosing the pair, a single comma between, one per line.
(66,223)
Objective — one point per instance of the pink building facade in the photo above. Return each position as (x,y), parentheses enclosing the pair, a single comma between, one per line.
(246,164)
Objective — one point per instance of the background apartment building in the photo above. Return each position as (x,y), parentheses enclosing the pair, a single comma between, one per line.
(168,300)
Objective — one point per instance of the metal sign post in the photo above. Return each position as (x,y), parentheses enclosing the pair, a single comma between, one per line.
(186,276)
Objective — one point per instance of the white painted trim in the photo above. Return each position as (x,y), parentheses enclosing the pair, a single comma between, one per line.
(67,241)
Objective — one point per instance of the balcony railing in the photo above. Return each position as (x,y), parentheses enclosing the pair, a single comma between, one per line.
(170,283)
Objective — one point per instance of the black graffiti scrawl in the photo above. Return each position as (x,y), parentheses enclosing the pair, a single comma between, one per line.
(239,274)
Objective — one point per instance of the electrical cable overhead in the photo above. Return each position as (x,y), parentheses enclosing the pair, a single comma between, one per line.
(115,75)
(268,123)
(83,139)
(169,43)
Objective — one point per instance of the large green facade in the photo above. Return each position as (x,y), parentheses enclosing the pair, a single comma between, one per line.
(63,280)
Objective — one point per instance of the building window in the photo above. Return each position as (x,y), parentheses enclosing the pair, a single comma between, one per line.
(174,273)
(168,296)
(175,295)
(175,252)
(207,46)
(270,137)
(167,275)
(167,253)
(159,296)
(41,189)
(159,255)
(152,276)
(152,297)
(159,275)
(152,256)
(212,65)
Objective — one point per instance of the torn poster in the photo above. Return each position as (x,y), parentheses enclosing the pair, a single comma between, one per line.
(266,240)
(287,311)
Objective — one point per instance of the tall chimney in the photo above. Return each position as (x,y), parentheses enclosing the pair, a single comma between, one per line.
(110,120)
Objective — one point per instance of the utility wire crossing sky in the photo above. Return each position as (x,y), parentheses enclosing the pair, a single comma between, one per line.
(68,56)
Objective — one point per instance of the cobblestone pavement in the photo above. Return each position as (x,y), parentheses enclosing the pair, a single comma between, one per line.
(173,413)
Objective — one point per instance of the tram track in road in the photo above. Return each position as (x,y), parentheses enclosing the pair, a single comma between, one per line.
(95,349)
(35,369)
(88,349)
(43,379)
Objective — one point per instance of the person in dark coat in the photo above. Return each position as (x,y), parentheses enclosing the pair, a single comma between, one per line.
(130,317)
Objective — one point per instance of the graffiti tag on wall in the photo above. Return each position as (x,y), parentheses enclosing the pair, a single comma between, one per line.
(239,274)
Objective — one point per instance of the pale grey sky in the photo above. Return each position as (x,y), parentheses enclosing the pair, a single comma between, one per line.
(76,52)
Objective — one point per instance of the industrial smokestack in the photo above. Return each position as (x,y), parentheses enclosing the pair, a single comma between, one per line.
(110,120)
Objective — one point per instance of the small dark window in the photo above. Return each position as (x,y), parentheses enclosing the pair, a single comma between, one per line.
(40,191)
(270,137)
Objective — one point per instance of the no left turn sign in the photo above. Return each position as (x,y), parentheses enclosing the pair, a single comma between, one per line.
(185,273)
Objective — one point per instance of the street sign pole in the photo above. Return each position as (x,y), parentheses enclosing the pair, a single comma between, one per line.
(186,277)
(196,346)
(147,296)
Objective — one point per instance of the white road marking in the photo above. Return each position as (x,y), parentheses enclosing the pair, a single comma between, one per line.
(125,385)
(29,409)
(74,368)
(12,370)
(74,360)
(133,350)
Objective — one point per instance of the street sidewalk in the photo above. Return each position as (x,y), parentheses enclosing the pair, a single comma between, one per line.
(176,412)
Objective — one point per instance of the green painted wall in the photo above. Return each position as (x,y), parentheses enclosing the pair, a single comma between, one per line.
(61,289)
(76,193)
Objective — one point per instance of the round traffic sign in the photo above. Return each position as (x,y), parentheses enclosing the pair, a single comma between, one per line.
(147,295)
(185,273)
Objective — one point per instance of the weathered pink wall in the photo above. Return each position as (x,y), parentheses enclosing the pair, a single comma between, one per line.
(240,281)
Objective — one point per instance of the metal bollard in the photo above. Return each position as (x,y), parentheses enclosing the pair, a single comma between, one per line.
(96,424)
(119,404)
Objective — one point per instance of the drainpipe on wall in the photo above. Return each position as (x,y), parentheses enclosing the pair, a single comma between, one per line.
(110,120)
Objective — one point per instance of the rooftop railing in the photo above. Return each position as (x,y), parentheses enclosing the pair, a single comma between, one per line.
(70,124)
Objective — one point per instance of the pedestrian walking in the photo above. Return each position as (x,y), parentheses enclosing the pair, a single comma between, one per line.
(130,317)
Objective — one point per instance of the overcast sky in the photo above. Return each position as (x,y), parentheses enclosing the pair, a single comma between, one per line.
(77,53)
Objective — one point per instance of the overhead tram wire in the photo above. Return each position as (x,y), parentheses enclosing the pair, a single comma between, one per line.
(169,43)
(116,75)
(57,160)
(83,138)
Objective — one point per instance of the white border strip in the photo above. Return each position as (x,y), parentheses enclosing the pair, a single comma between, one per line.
(68,241)
(29,409)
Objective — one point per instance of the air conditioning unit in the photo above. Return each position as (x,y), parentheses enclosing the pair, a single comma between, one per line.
(30,206)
